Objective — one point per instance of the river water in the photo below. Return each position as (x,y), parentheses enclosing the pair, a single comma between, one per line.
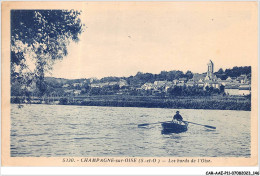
(81,131)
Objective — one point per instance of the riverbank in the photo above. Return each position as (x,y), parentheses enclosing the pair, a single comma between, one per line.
(201,102)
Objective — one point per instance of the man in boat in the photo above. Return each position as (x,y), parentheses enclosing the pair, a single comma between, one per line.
(177,117)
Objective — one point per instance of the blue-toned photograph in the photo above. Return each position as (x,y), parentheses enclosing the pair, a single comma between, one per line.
(122,80)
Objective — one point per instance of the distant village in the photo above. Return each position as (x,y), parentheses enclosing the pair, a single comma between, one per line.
(172,83)
(240,85)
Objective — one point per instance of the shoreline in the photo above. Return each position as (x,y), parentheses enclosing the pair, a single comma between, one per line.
(207,103)
(129,106)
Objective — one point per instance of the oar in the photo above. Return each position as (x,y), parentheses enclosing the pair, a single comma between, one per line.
(146,124)
(208,126)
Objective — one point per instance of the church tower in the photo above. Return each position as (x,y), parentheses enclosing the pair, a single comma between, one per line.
(210,72)
(210,68)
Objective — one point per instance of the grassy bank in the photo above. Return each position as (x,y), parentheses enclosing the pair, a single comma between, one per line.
(210,102)
(176,104)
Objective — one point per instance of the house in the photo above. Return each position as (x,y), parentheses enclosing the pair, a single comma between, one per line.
(65,85)
(200,84)
(211,83)
(229,79)
(76,84)
(232,90)
(91,80)
(168,85)
(244,89)
(159,83)
(175,81)
(183,80)
(148,86)
(94,85)
(123,83)
(242,79)
(68,91)
(77,92)
(190,83)
(97,85)
(199,77)
(223,82)
(181,84)
(111,83)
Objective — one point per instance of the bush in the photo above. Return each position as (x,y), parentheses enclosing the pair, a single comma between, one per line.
(64,101)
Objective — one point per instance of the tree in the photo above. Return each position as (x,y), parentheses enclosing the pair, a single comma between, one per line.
(207,88)
(237,71)
(179,74)
(189,74)
(220,71)
(175,91)
(222,88)
(38,39)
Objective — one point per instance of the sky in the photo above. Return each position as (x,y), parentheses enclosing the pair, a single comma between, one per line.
(123,38)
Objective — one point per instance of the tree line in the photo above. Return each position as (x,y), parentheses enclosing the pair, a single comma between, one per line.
(234,72)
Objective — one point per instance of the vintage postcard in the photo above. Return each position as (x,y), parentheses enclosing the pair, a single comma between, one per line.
(129,83)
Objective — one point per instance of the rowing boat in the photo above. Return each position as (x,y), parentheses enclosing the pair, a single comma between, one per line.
(174,127)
